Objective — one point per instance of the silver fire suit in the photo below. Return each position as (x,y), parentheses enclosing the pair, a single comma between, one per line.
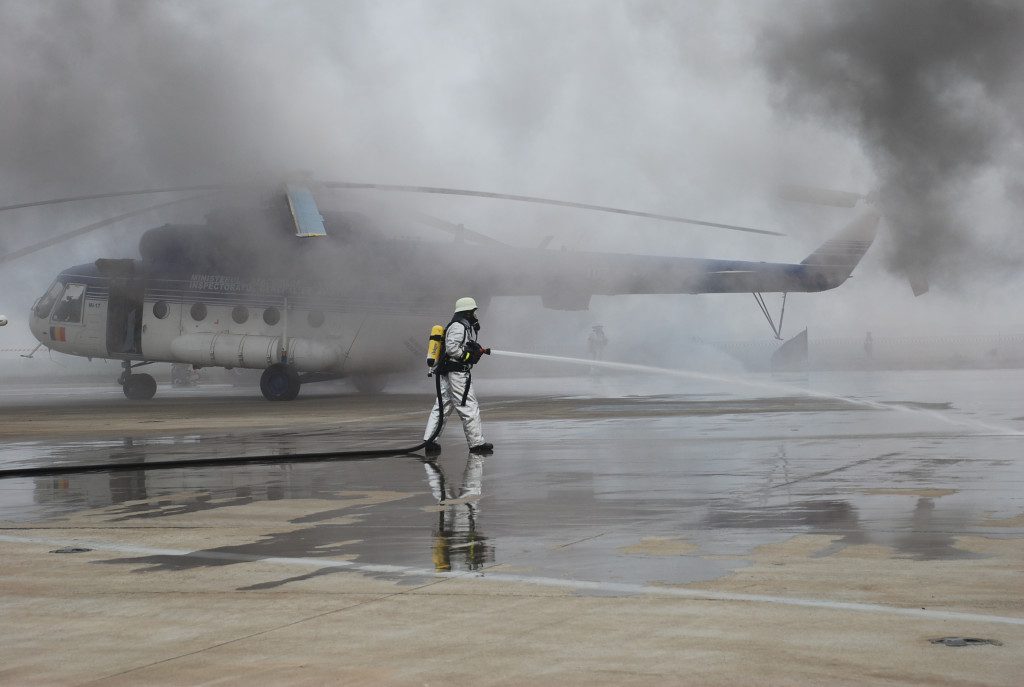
(454,386)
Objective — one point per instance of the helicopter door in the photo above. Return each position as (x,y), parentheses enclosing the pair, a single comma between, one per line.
(124,317)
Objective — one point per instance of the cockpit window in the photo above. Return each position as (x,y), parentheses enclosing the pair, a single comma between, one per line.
(69,309)
(45,304)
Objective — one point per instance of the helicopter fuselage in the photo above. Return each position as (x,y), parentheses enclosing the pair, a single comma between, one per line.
(336,306)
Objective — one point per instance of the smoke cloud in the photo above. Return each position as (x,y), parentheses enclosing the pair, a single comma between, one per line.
(933,90)
(108,95)
(574,100)
(658,105)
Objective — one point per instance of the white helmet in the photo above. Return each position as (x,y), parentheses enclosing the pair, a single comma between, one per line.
(465,305)
(3,320)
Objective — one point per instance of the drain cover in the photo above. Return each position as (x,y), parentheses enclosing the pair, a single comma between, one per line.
(71,549)
(965,641)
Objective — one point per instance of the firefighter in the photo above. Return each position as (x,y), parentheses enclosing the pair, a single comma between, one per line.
(461,352)
(596,342)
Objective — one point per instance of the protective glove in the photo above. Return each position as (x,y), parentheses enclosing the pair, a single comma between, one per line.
(474,352)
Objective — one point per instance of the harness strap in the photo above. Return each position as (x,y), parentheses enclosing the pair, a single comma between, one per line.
(451,367)
(446,363)
(465,392)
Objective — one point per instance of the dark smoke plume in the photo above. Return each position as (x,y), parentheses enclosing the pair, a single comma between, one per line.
(933,90)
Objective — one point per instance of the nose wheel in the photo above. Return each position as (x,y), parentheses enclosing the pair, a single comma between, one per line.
(136,387)
(140,387)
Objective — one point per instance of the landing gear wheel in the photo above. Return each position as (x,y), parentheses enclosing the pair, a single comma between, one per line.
(280,383)
(141,387)
(369,384)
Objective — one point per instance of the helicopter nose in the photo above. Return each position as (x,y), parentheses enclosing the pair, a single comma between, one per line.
(39,327)
(3,320)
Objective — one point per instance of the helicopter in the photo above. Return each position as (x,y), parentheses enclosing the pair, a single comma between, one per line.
(309,295)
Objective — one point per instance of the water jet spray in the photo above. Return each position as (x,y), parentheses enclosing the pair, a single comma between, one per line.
(771,386)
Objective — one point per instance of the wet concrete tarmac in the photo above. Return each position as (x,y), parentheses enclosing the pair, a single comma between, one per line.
(727,475)
(684,487)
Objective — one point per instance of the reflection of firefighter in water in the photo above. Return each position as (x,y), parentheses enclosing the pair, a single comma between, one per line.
(456,534)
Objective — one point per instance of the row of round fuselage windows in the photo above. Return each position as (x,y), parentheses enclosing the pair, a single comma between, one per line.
(240,314)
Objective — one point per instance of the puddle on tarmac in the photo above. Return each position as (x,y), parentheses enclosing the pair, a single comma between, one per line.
(573,498)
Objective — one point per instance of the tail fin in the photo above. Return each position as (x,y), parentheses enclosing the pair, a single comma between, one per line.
(841,253)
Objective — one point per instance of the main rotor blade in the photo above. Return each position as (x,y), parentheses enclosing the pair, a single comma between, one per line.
(541,201)
(456,230)
(820,196)
(116,194)
(67,236)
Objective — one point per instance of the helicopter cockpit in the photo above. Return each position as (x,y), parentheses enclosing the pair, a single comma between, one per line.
(59,319)
(68,309)
(42,307)
(61,304)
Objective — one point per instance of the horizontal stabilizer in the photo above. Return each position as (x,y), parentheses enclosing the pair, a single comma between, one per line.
(791,356)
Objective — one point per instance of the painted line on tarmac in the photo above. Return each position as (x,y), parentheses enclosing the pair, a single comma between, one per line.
(554,582)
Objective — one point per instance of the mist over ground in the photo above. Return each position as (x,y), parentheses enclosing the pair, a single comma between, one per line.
(691,108)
